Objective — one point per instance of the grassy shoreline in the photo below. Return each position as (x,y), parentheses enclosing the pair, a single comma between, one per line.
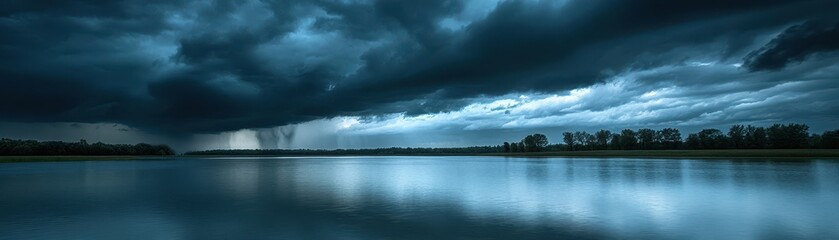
(69,158)
(724,153)
(728,153)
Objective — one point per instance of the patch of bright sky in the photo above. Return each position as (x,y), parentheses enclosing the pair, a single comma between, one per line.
(628,103)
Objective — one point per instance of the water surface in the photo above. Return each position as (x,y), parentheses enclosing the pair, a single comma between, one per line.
(420,198)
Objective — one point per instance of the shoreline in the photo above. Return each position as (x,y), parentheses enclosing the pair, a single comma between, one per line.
(73,158)
(653,154)
(721,153)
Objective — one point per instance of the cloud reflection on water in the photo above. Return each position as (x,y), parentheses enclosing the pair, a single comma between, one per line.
(425,197)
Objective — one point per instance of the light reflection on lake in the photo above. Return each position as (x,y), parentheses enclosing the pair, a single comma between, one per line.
(420,198)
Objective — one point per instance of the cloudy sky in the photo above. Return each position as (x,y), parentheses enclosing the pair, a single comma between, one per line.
(365,73)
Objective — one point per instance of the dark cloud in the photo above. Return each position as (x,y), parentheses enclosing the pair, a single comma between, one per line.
(795,44)
(209,66)
(542,47)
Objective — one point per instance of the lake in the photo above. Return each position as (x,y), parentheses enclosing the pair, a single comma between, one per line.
(420,198)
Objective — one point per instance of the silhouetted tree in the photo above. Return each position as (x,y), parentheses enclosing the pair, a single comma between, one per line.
(830,139)
(590,141)
(815,141)
(536,142)
(711,138)
(602,139)
(540,140)
(646,137)
(615,143)
(737,136)
(32,147)
(583,140)
(628,140)
(755,137)
(568,138)
(791,135)
(506,147)
(669,138)
(692,141)
(514,147)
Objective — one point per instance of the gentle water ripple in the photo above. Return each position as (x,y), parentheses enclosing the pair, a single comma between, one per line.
(420,198)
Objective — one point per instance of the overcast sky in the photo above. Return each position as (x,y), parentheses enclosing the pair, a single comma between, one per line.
(364,73)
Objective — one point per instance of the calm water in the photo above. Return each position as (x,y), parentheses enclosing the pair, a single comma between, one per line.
(419,198)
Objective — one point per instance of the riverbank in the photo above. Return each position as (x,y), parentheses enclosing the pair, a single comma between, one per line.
(11,159)
(725,153)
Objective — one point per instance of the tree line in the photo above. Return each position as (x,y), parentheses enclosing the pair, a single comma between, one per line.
(11,147)
(777,136)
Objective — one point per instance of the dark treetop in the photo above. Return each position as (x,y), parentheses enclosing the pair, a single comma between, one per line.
(10,147)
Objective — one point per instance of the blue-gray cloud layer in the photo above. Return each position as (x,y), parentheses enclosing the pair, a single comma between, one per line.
(209,66)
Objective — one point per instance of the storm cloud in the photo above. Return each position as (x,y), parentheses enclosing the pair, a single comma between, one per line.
(794,45)
(204,67)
